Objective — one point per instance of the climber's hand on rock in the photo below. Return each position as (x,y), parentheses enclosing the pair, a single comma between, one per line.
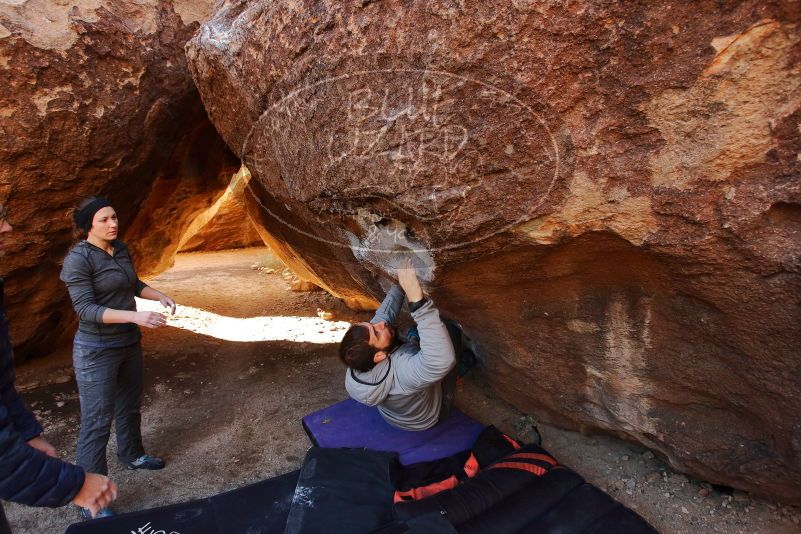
(407,278)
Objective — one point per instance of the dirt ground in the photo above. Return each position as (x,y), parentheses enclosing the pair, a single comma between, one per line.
(246,358)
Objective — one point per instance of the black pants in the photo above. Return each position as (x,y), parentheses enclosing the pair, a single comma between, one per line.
(110,389)
(449,382)
(5,528)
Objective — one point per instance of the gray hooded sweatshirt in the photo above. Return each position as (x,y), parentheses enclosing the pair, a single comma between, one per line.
(96,281)
(406,385)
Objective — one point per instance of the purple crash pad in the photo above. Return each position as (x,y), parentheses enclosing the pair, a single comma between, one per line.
(354,425)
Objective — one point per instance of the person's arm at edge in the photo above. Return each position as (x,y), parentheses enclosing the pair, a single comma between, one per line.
(22,419)
(30,472)
(28,476)
(25,423)
(31,477)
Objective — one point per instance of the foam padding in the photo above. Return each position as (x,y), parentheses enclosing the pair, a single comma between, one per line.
(260,508)
(343,491)
(353,425)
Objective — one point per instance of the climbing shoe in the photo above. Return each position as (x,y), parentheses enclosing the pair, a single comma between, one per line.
(146,462)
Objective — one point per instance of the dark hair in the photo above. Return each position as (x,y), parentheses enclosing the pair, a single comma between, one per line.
(79,233)
(355,350)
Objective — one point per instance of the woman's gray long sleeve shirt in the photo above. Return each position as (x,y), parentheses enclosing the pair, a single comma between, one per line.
(96,281)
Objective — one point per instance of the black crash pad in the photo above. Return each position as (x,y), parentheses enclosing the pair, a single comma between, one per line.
(260,508)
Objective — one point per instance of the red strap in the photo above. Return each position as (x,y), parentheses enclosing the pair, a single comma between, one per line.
(534,456)
(471,466)
(537,470)
(421,492)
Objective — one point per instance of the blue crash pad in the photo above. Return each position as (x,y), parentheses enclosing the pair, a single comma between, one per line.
(355,425)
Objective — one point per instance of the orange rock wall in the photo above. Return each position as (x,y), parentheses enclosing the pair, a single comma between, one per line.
(96,99)
(226,224)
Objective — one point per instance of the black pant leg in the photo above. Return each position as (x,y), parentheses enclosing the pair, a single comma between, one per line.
(5,528)
(449,382)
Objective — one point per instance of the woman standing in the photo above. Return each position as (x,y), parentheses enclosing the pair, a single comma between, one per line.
(107,354)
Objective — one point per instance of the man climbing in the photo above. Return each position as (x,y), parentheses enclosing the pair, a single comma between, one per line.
(411,383)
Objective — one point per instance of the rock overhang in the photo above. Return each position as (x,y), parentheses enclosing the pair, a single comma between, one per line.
(570,180)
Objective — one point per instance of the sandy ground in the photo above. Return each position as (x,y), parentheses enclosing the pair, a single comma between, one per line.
(245,359)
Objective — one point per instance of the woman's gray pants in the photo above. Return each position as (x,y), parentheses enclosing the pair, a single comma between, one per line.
(110,389)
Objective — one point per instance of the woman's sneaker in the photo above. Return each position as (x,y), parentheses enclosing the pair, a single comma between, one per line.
(86,515)
(146,462)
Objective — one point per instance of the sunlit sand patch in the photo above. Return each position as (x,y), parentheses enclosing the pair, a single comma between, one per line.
(273,328)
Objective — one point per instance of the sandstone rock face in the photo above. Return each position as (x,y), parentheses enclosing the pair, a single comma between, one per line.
(225,224)
(195,178)
(96,99)
(606,195)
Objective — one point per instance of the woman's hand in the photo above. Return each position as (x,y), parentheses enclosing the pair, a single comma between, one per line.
(149,319)
(407,278)
(153,294)
(41,444)
(167,302)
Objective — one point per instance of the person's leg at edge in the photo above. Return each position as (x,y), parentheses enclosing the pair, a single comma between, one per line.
(5,528)
(96,375)
(128,415)
(449,382)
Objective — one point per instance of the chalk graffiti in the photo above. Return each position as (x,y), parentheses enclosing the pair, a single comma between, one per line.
(408,131)
(413,145)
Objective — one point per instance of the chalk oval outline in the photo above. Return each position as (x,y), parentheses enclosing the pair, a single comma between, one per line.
(522,219)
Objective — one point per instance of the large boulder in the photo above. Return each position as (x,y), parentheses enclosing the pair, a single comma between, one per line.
(606,195)
(96,99)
